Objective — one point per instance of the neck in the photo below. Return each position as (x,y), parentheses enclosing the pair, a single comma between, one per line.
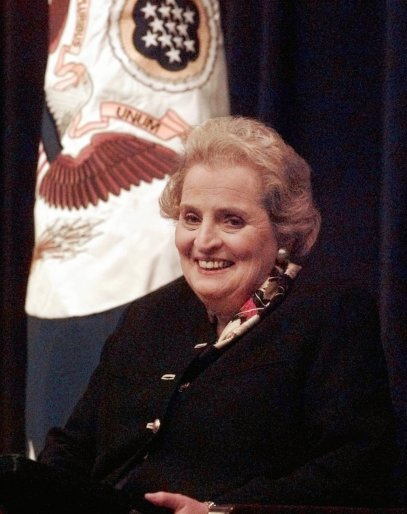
(220,319)
(220,325)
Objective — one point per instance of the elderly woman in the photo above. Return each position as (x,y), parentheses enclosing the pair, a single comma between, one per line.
(237,383)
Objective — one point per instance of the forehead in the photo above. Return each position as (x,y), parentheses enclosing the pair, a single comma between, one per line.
(239,181)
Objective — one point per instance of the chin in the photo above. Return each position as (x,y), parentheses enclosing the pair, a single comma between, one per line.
(209,296)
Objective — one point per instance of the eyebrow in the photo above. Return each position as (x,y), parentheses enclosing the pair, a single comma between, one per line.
(221,210)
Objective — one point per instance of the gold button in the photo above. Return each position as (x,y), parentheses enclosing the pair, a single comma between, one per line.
(154,425)
(168,376)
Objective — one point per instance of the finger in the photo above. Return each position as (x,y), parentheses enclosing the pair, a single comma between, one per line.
(163,499)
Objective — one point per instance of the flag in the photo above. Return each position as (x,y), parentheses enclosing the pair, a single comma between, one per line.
(125,80)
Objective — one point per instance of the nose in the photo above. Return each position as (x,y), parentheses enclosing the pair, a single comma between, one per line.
(207,237)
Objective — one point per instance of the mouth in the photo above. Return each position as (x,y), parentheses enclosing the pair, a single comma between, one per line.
(213,264)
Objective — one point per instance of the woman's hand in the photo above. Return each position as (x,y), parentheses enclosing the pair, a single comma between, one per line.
(179,503)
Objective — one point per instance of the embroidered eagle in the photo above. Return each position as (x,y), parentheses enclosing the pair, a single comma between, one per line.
(112,162)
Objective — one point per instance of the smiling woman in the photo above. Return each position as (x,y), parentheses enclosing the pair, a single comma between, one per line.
(239,382)
(241,193)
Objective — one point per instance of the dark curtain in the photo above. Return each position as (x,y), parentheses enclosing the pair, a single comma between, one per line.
(330,76)
(23,55)
(393,198)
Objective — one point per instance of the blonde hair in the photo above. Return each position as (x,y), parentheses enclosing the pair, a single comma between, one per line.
(287,196)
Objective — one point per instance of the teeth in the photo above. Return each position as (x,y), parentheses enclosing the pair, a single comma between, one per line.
(213,264)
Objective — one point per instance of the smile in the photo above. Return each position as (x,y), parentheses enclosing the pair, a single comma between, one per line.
(214,264)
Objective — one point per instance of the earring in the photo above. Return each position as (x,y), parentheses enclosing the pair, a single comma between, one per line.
(282,255)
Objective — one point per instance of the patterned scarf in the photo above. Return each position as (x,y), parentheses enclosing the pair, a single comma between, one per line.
(266,298)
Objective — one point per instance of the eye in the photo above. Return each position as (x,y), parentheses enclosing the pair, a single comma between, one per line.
(234,221)
(190,219)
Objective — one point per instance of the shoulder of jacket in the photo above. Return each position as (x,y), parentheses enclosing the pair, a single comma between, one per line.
(315,302)
(174,292)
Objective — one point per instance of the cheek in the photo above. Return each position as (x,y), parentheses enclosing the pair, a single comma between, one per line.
(263,252)
(269,255)
(183,239)
(251,247)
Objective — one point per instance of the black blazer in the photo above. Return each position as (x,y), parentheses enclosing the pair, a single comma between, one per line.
(296,411)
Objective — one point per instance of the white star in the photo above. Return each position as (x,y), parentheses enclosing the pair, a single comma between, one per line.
(178,41)
(177,13)
(165,11)
(173,55)
(157,25)
(150,39)
(190,45)
(189,16)
(165,40)
(149,10)
(171,2)
(183,29)
(171,26)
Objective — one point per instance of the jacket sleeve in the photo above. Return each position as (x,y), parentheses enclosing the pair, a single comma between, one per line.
(347,419)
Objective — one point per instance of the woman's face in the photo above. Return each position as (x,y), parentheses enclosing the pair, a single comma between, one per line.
(224,236)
